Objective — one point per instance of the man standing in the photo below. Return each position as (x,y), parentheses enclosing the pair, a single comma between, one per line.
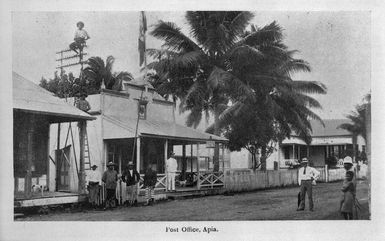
(131,177)
(93,180)
(171,168)
(348,165)
(306,175)
(110,178)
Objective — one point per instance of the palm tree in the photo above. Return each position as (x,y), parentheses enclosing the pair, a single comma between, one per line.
(97,73)
(358,122)
(223,67)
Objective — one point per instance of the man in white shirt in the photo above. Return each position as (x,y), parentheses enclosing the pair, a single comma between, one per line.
(306,175)
(80,38)
(171,168)
(93,182)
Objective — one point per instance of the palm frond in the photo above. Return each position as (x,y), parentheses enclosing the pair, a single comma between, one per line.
(239,22)
(269,34)
(194,118)
(173,38)
(310,87)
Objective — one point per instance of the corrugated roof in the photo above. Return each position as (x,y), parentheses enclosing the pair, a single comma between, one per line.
(330,128)
(30,97)
(126,129)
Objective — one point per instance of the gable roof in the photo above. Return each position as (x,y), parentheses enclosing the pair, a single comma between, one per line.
(32,98)
(330,128)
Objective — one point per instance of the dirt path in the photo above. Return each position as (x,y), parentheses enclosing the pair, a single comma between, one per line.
(274,204)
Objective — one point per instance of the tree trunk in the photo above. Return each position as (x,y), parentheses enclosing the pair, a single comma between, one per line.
(216,149)
(354,140)
(253,164)
(263,158)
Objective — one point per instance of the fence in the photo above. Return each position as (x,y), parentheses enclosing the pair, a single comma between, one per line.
(336,174)
(246,179)
(210,179)
(238,180)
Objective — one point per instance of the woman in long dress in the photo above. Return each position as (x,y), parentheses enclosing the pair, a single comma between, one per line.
(349,192)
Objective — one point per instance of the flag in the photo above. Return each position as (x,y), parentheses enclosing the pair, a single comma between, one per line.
(142,39)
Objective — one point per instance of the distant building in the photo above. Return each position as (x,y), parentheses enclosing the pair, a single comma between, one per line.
(327,142)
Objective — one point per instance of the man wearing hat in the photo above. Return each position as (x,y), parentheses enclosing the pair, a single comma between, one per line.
(306,175)
(80,37)
(171,168)
(131,177)
(110,178)
(82,103)
(93,182)
(348,165)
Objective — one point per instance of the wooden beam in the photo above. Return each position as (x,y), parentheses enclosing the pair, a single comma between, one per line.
(138,154)
(82,133)
(192,162)
(184,161)
(198,182)
(48,156)
(165,160)
(223,157)
(30,154)
(57,178)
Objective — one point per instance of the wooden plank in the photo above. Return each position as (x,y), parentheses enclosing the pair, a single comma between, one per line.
(30,153)
(82,133)
(50,201)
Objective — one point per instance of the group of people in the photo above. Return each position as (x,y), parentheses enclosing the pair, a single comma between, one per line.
(307,177)
(131,177)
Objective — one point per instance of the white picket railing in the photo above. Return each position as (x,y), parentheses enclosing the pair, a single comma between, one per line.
(210,179)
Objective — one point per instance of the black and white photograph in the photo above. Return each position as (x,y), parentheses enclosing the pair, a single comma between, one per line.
(192,121)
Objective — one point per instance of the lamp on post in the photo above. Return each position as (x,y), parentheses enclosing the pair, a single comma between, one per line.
(142,108)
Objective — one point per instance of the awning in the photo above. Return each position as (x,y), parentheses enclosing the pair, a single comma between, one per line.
(29,97)
(114,128)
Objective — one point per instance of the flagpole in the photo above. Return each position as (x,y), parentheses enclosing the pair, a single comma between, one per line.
(145,47)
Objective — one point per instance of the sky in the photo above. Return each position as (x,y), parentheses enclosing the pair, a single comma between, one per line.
(335,44)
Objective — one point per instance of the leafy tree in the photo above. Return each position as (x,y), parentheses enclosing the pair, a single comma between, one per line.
(358,122)
(65,85)
(196,69)
(225,70)
(98,72)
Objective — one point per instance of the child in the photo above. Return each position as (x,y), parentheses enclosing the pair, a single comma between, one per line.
(149,183)
(347,202)
(80,38)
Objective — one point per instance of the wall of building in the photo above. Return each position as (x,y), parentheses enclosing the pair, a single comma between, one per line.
(317,155)
(125,107)
(39,146)
(95,149)
(240,159)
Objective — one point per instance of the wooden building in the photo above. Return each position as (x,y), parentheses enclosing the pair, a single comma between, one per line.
(327,141)
(34,110)
(139,113)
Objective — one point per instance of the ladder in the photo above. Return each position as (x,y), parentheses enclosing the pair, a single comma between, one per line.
(87,157)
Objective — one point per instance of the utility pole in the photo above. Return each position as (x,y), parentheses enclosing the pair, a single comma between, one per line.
(67,59)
